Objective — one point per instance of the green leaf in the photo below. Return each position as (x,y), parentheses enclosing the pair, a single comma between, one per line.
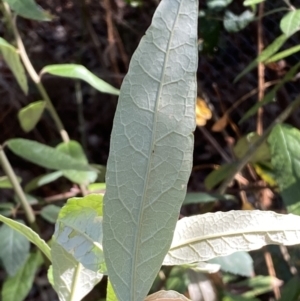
(16,288)
(42,180)
(166,295)
(110,293)
(177,280)
(97,187)
(151,149)
(238,263)
(235,23)
(74,150)
(284,143)
(14,249)
(245,143)
(29,234)
(31,115)
(210,235)
(29,9)
(50,213)
(72,281)
(5,182)
(232,297)
(204,197)
(78,261)
(44,155)
(290,23)
(217,4)
(259,285)
(80,72)
(218,175)
(266,53)
(11,56)
(6,209)
(252,2)
(283,54)
(291,290)
(271,95)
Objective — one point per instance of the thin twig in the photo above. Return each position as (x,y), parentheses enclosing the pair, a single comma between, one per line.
(260,69)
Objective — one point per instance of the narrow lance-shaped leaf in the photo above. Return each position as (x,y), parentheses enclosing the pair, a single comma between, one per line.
(80,72)
(151,150)
(12,58)
(203,237)
(29,9)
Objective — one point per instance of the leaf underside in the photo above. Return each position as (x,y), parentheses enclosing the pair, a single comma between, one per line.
(151,150)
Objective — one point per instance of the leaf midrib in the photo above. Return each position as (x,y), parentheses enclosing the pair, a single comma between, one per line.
(233,233)
(141,211)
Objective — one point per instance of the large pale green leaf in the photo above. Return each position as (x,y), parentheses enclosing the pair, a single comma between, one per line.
(284,143)
(77,255)
(203,237)
(80,72)
(44,155)
(29,9)
(151,149)
(31,114)
(74,149)
(29,234)
(16,288)
(14,249)
(290,23)
(11,56)
(239,263)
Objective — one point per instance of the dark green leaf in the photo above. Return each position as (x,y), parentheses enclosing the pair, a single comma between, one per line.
(266,53)
(30,115)
(271,95)
(291,290)
(29,9)
(80,72)
(44,155)
(218,175)
(12,59)
(42,180)
(16,288)
(29,234)
(14,249)
(50,213)
(284,143)
(204,197)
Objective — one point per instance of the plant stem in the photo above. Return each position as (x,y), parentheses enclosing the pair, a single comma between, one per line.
(33,74)
(17,187)
(241,164)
